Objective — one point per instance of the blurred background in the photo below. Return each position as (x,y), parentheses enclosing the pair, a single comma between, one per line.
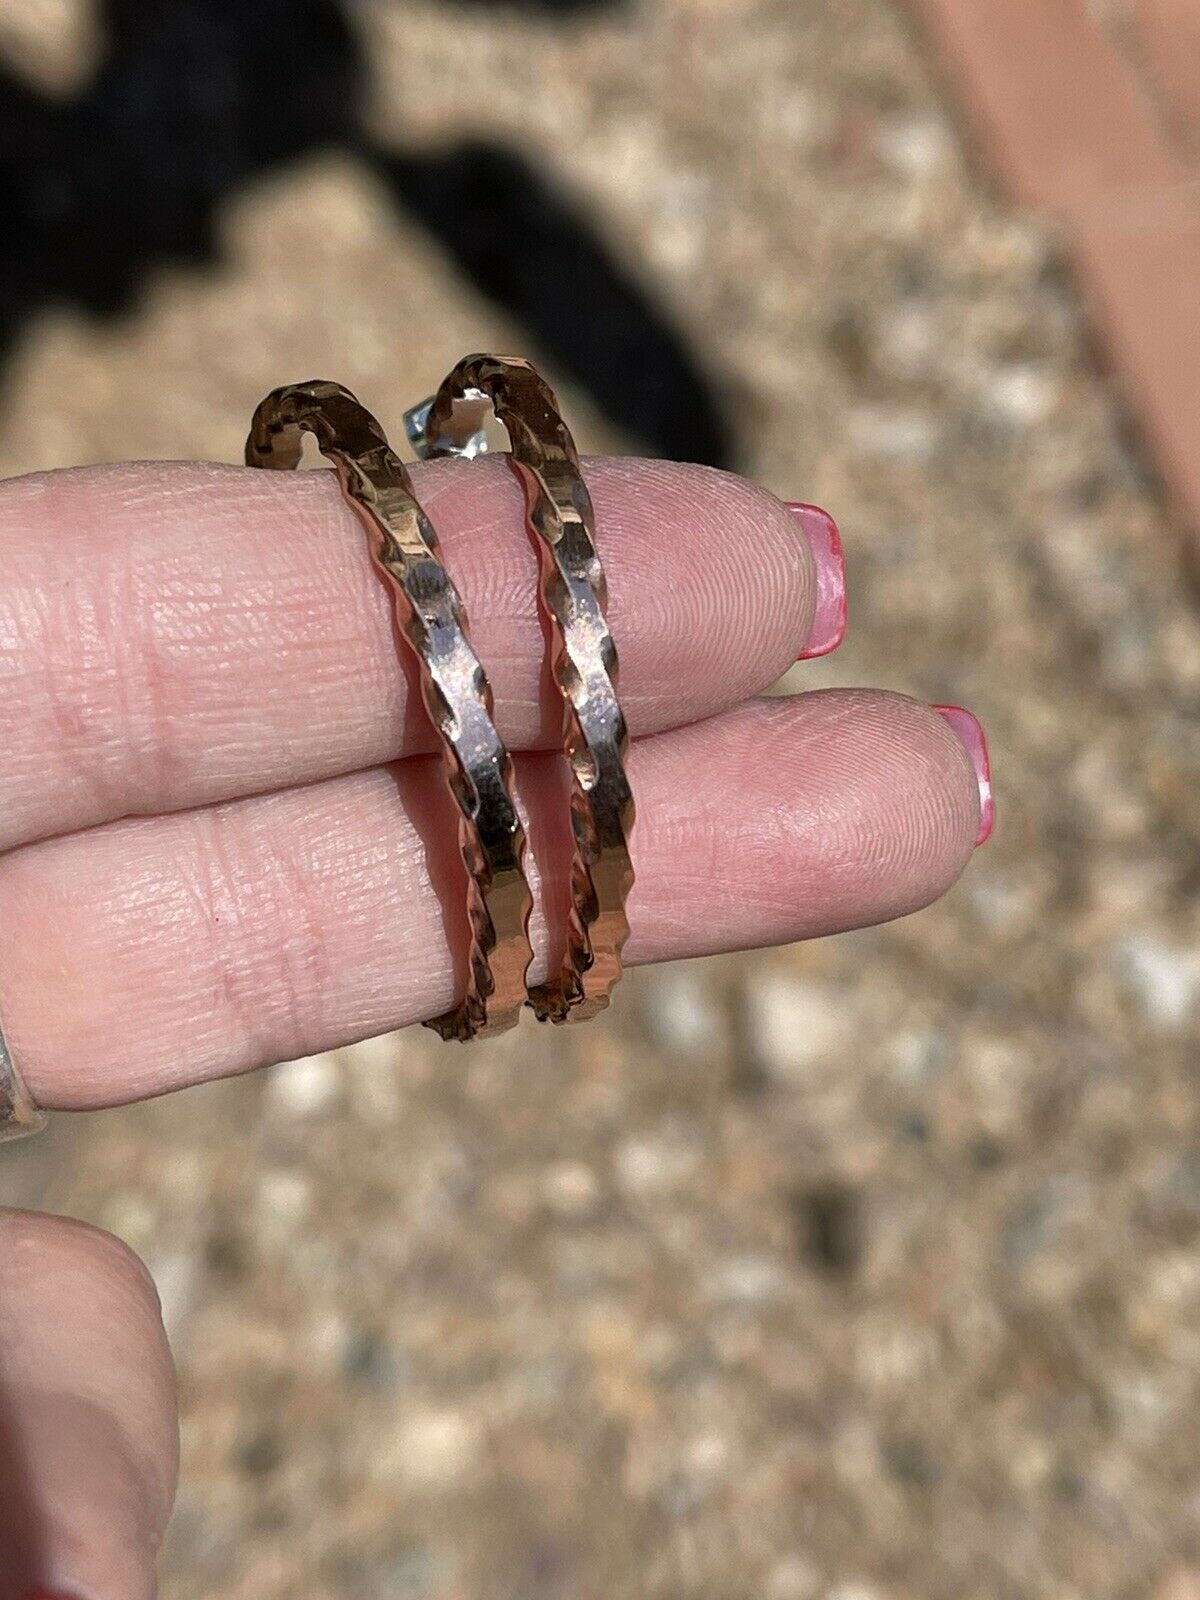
(863,1270)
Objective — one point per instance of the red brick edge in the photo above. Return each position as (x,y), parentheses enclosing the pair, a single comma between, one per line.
(1073,132)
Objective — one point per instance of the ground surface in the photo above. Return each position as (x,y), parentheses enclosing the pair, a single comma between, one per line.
(863,1270)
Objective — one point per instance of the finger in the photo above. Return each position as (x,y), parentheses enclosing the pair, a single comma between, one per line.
(151,954)
(171,635)
(88,1434)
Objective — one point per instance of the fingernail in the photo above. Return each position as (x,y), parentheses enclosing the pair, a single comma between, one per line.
(970,730)
(829,619)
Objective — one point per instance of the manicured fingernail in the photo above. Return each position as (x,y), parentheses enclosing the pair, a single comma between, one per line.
(970,730)
(829,620)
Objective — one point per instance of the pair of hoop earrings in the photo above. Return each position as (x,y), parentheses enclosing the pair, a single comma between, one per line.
(455,688)
(454,685)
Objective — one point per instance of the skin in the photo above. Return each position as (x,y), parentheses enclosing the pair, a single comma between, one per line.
(222,824)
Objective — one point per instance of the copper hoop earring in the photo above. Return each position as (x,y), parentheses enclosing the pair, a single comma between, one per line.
(18,1113)
(574,596)
(432,621)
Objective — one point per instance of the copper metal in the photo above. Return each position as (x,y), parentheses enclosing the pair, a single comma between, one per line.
(18,1114)
(431,619)
(584,659)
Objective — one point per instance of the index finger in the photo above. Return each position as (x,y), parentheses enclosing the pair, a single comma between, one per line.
(175,634)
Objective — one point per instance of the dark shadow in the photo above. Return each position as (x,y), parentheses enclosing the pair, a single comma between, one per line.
(831,1227)
(522,244)
(196,97)
(192,98)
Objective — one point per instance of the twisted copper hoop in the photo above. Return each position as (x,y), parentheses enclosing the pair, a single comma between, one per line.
(575,596)
(18,1114)
(430,616)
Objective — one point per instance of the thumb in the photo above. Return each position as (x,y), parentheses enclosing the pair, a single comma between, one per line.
(88,1432)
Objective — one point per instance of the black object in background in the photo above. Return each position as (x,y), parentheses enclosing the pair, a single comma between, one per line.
(193,97)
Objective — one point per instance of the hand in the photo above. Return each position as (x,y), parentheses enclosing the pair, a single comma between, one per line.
(215,858)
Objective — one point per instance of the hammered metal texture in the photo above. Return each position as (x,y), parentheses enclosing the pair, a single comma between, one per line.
(454,687)
(584,658)
(18,1114)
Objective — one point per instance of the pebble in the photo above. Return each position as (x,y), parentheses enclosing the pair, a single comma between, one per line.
(1164,977)
(916,146)
(795,1577)
(682,1013)
(570,1189)
(650,1164)
(797,1026)
(434,1448)
(305,1088)
(282,1203)
(1021,396)
(745,1280)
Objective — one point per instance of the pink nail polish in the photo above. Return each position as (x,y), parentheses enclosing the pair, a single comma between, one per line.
(970,730)
(829,619)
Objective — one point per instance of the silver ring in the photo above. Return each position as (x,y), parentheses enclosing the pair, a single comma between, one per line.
(18,1114)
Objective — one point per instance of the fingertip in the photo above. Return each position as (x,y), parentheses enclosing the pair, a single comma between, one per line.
(828,627)
(721,593)
(970,730)
(937,814)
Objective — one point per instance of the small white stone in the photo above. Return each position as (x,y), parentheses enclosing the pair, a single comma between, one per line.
(908,341)
(282,1202)
(435,1448)
(794,116)
(798,1026)
(305,1088)
(132,1218)
(683,1014)
(917,1054)
(707,1455)
(647,1165)
(1001,903)
(748,1280)
(1165,978)
(1022,395)
(916,146)
(570,1189)
(793,1578)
